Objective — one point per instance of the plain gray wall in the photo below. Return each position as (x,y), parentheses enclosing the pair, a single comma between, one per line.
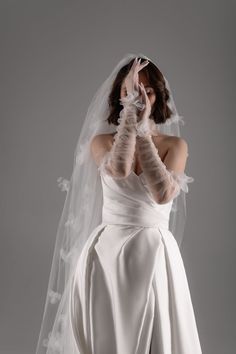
(54,56)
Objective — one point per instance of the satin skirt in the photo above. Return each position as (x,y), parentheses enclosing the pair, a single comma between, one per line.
(130,294)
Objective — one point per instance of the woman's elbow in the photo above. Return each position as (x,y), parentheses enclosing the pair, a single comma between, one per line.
(166,196)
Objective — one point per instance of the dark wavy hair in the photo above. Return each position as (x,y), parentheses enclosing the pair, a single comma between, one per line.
(160,110)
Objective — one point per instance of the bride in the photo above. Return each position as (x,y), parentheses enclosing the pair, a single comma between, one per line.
(173,150)
(117,283)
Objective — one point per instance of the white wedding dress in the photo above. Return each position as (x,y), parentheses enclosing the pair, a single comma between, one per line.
(130,293)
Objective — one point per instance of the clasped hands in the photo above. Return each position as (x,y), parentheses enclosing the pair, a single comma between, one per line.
(137,97)
(134,88)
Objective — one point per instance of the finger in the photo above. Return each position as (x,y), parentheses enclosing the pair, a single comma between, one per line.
(141,90)
(137,65)
(134,64)
(146,98)
(136,70)
(145,62)
(141,86)
(144,92)
(143,65)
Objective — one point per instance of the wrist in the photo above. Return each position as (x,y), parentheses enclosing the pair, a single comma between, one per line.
(132,99)
(129,98)
(142,140)
(143,129)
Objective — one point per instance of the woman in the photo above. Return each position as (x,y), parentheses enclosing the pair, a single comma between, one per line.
(126,290)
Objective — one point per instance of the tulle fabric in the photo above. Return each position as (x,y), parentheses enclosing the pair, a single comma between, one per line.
(123,147)
(81,214)
(162,181)
(181,178)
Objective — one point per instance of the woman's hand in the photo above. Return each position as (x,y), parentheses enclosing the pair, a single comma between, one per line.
(131,80)
(145,113)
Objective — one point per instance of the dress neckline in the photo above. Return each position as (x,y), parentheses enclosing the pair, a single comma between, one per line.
(138,176)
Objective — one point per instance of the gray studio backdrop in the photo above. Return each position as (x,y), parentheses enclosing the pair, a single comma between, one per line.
(54,55)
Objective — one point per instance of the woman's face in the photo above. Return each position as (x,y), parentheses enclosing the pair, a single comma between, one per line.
(149,90)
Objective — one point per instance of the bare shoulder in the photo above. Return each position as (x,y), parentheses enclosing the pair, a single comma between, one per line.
(177,153)
(99,145)
(102,143)
(170,142)
(101,140)
(176,142)
(166,141)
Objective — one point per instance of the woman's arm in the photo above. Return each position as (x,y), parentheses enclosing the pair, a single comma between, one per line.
(118,161)
(163,179)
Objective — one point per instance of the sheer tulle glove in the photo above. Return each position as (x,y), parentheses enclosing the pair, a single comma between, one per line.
(159,180)
(163,183)
(118,161)
(145,125)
